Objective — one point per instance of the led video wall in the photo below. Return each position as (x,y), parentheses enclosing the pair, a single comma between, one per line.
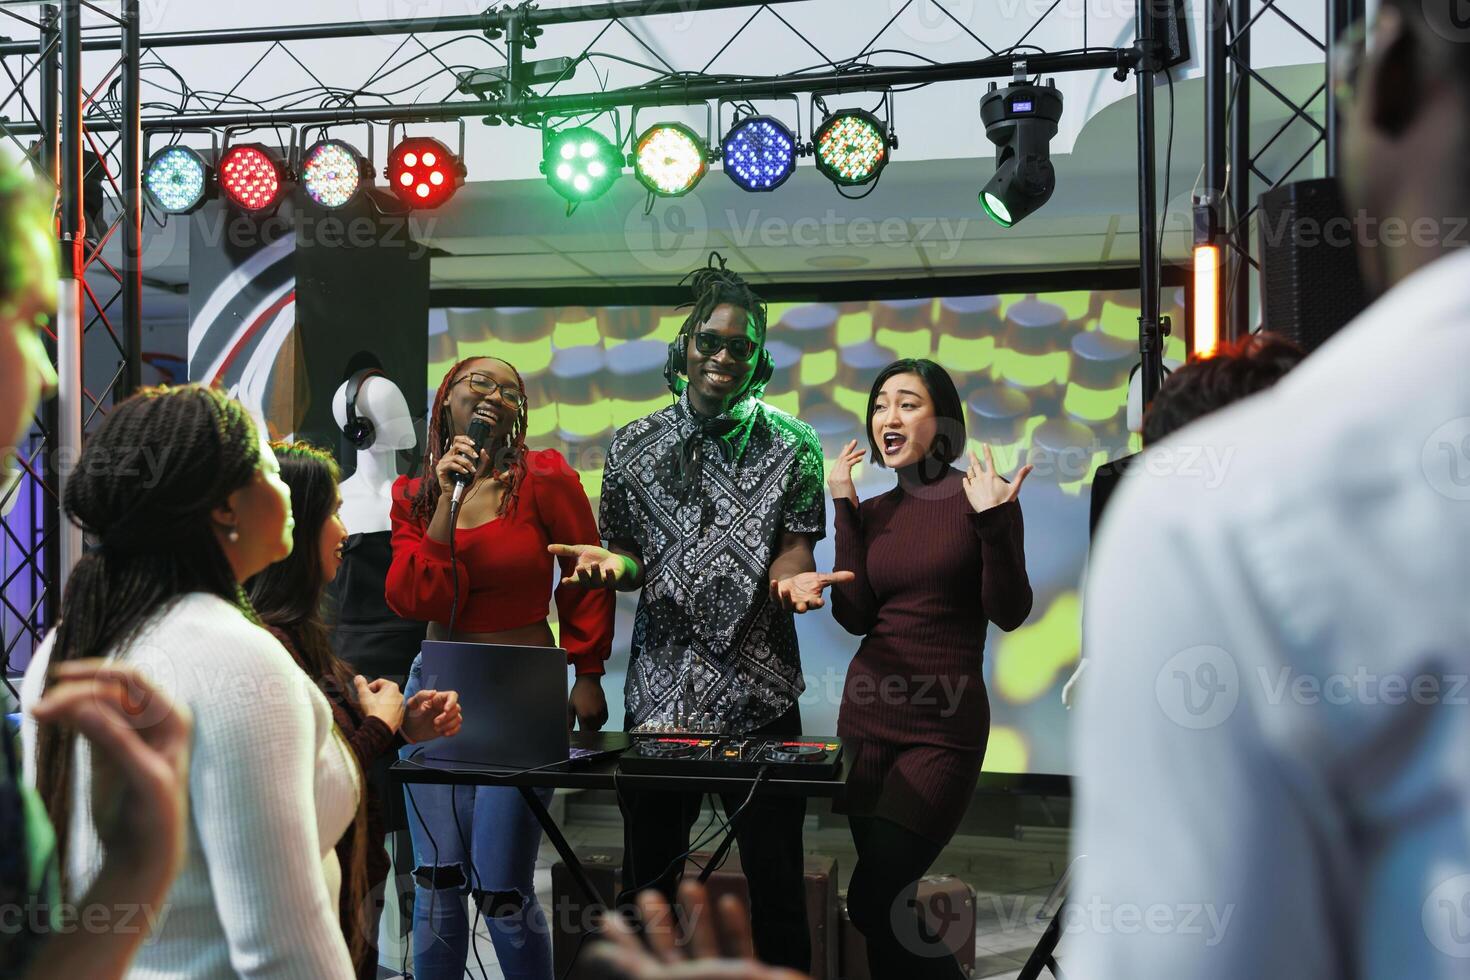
(1043,376)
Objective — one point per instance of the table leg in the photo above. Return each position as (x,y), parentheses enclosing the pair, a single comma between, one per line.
(563,849)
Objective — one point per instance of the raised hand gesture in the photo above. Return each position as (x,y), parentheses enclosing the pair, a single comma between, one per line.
(597,567)
(689,945)
(985,488)
(839,481)
(803,591)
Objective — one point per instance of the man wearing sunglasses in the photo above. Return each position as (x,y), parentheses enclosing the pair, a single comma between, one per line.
(1273,746)
(711,506)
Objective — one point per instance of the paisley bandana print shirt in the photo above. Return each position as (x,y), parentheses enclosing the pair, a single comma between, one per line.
(708,644)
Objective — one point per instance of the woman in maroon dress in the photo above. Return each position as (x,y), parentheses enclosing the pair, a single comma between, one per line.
(936,559)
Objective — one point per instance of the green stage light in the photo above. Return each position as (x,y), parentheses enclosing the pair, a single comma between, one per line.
(580,164)
(851,147)
(996,208)
(1020,120)
(669,159)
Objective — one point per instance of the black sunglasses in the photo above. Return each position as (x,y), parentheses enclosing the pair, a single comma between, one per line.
(740,348)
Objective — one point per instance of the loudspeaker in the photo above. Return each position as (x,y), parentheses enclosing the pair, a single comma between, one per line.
(1311,284)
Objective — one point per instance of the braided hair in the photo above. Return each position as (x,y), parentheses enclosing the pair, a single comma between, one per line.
(288,597)
(507,461)
(144,488)
(714,285)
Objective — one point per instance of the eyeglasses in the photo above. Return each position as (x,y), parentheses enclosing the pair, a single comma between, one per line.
(482,384)
(710,344)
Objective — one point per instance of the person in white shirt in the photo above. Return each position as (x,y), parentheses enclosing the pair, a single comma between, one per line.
(184,499)
(1273,744)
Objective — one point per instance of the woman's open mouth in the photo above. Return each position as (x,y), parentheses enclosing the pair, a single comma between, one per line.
(487,415)
(893,443)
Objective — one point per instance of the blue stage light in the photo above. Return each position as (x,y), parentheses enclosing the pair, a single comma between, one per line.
(176,179)
(759,153)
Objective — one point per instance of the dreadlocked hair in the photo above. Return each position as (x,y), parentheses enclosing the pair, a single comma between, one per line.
(507,460)
(714,285)
(143,489)
(288,597)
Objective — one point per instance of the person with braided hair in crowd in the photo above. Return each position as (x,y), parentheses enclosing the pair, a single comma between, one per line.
(712,506)
(496,588)
(373,716)
(183,499)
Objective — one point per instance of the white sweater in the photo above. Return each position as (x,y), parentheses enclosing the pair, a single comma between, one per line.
(272,787)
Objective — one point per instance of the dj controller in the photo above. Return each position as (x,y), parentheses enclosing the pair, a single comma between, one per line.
(732,756)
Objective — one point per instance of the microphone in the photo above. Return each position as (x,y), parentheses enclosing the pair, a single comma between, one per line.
(478,432)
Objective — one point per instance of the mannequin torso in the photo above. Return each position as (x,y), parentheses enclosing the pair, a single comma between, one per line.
(367,493)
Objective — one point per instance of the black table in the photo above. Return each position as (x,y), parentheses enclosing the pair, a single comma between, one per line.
(602,773)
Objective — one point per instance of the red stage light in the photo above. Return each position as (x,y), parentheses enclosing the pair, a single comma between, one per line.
(423,172)
(250,176)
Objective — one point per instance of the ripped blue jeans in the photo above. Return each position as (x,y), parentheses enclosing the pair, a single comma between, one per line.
(478,842)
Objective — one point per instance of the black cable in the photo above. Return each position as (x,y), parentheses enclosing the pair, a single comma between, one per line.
(479,882)
(760,777)
(1164,219)
(726,826)
(434,891)
(453,571)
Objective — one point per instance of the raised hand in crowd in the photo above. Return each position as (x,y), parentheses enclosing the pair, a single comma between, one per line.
(689,945)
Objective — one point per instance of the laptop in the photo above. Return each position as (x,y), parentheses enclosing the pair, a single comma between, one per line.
(515,706)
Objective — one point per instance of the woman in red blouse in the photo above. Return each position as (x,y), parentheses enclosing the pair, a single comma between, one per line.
(482,842)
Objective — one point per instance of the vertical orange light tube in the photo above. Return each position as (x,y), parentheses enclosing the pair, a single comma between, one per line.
(1206,333)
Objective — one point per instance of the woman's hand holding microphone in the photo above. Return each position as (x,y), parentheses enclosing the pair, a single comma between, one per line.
(461,459)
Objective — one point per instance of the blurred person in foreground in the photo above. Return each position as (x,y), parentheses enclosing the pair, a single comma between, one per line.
(1274,771)
(145,784)
(1233,372)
